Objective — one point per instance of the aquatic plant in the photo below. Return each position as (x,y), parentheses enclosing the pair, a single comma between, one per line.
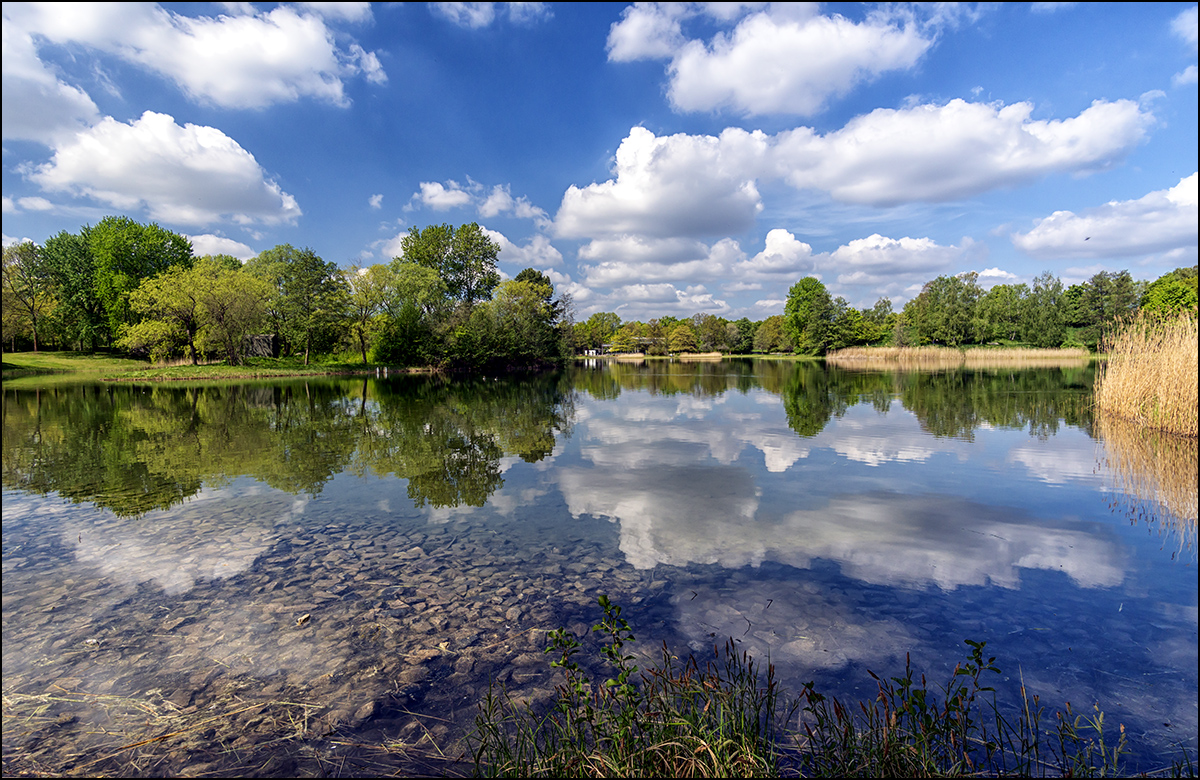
(1150,374)
(724,720)
(677,720)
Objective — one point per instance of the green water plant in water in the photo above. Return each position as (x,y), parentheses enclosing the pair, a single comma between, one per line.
(724,719)
(676,720)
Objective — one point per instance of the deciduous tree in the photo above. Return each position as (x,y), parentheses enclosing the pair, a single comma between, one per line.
(27,285)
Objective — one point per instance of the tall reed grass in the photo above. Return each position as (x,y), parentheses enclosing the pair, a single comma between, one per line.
(926,358)
(1150,374)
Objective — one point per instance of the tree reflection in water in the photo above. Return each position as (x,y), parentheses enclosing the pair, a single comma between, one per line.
(134,448)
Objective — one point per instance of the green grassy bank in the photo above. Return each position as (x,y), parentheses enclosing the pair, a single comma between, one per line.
(109,367)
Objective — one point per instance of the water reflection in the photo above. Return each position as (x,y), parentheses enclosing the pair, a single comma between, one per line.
(135,448)
(432,529)
(1153,477)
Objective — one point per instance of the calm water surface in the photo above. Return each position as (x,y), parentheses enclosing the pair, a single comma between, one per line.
(315,576)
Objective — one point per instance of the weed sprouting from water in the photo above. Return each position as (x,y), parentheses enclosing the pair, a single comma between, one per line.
(676,720)
(723,719)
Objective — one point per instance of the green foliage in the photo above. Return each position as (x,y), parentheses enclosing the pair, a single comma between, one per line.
(169,312)
(516,328)
(808,316)
(625,339)
(28,293)
(682,339)
(368,290)
(710,333)
(596,331)
(405,339)
(234,305)
(308,301)
(1172,292)
(72,270)
(1044,321)
(126,252)
(677,720)
(135,447)
(464,257)
(945,310)
(1001,312)
(744,343)
(912,731)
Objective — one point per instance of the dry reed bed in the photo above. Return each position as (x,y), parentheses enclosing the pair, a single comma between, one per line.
(1150,374)
(949,357)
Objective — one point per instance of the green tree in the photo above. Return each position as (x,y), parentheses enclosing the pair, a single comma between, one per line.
(808,316)
(945,310)
(710,332)
(1044,320)
(465,258)
(308,298)
(769,335)
(1172,292)
(515,328)
(625,339)
(417,319)
(72,271)
(234,306)
(848,327)
(168,312)
(744,344)
(877,321)
(368,290)
(597,330)
(1000,312)
(125,252)
(27,285)
(682,338)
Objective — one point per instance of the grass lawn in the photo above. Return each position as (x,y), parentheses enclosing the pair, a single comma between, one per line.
(20,364)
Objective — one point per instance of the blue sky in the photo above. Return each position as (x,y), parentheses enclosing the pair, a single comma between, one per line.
(652,159)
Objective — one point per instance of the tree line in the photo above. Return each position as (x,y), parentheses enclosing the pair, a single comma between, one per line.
(949,311)
(137,287)
(125,285)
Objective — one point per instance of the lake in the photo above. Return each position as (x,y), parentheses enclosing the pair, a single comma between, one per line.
(314,576)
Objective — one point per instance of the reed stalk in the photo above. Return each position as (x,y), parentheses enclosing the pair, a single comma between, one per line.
(1150,374)
(930,357)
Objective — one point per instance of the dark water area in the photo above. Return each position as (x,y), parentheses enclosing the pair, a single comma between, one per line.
(324,576)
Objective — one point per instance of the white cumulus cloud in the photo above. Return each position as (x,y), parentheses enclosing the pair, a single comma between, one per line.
(703,185)
(442,197)
(1162,221)
(192,175)
(781,59)
(209,244)
(670,186)
(632,259)
(946,152)
(537,253)
(234,61)
(37,105)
